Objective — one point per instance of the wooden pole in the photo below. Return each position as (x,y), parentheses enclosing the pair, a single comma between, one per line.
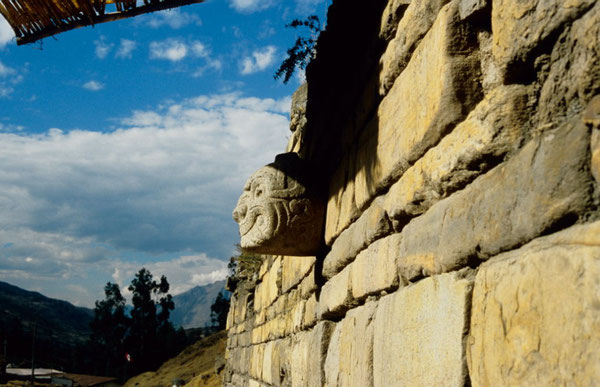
(99,19)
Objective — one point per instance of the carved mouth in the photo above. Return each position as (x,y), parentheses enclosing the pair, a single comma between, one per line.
(249,219)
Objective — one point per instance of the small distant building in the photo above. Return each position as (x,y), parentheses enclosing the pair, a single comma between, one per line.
(60,378)
(77,380)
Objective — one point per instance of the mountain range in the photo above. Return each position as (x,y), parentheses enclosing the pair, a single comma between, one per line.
(192,308)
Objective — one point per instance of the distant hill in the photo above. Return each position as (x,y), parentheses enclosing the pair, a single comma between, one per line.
(55,318)
(60,327)
(197,365)
(192,308)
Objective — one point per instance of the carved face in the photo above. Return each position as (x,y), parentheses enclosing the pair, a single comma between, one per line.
(275,216)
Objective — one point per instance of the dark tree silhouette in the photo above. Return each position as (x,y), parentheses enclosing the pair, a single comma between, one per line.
(302,51)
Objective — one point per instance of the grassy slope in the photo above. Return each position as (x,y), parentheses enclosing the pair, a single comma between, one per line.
(195,365)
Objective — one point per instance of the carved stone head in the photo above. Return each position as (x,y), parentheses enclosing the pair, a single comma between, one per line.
(280,212)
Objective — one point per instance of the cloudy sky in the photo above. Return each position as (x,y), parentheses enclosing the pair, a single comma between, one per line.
(126,145)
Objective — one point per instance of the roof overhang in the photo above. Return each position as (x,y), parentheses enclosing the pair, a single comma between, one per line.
(33,20)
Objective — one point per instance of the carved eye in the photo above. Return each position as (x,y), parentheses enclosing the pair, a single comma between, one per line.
(258,192)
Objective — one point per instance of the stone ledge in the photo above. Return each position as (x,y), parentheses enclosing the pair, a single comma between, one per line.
(545,185)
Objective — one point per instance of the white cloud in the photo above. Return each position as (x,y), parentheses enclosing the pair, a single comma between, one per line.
(159,188)
(170,49)
(93,86)
(173,18)
(249,6)
(6,32)
(102,47)
(9,78)
(183,273)
(306,7)
(176,50)
(125,49)
(258,61)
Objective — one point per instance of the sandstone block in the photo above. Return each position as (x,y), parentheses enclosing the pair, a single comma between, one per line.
(341,204)
(574,75)
(350,354)
(256,361)
(308,285)
(536,315)
(336,295)
(372,225)
(545,184)
(414,23)
(310,312)
(494,128)
(519,27)
(268,290)
(467,8)
(392,14)
(419,333)
(309,350)
(410,119)
(375,269)
(293,270)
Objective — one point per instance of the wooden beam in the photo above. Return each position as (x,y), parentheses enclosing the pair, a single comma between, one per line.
(109,17)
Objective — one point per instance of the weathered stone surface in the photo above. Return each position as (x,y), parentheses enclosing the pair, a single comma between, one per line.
(392,14)
(402,132)
(308,285)
(257,360)
(309,350)
(414,24)
(281,210)
(336,295)
(268,290)
(574,76)
(544,185)
(293,271)
(298,119)
(519,27)
(419,333)
(375,269)
(494,128)
(536,313)
(310,312)
(341,204)
(467,8)
(372,225)
(350,354)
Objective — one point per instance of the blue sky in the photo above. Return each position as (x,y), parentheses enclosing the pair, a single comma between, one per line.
(127,144)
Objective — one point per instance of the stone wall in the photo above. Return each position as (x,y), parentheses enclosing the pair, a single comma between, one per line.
(460,144)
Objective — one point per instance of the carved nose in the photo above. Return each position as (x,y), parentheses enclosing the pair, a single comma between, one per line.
(239,213)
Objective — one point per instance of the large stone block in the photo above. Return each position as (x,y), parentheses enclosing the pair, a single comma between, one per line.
(336,295)
(341,205)
(419,333)
(372,225)
(350,354)
(309,350)
(574,75)
(494,128)
(392,14)
(375,269)
(413,25)
(435,92)
(519,27)
(544,185)
(293,270)
(536,313)
(268,290)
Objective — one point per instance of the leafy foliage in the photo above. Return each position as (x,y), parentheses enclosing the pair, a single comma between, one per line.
(147,335)
(219,310)
(302,52)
